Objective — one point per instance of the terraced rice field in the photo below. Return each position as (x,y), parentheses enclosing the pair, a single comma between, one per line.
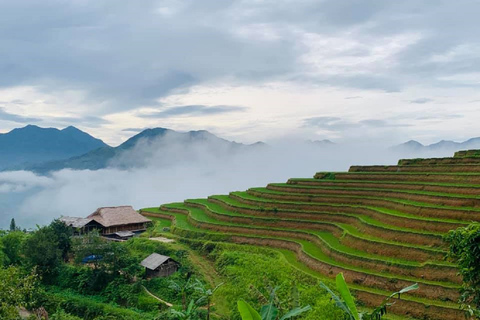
(382,226)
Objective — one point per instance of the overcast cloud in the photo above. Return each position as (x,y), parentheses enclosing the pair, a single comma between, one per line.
(107,65)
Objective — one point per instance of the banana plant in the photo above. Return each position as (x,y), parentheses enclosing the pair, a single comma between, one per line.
(189,313)
(347,303)
(268,311)
(183,290)
(205,295)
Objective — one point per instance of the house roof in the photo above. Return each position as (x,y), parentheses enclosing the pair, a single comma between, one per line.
(125,234)
(154,261)
(75,222)
(117,216)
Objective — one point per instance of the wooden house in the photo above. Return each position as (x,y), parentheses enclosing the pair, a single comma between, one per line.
(157,265)
(110,221)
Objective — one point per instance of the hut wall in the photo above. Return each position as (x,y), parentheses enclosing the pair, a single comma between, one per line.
(164,270)
(127,227)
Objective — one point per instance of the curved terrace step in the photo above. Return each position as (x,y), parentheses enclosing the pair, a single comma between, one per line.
(467,153)
(452,217)
(444,188)
(439,199)
(380,240)
(327,239)
(370,296)
(445,168)
(387,216)
(369,221)
(369,278)
(462,178)
(439,161)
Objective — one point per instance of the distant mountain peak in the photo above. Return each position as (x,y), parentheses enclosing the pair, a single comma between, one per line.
(413,143)
(415,146)
(324,142)
(119,157)
(71,128)
(33,144)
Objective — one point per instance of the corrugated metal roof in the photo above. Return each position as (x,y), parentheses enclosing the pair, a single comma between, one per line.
(125,234)
(154,260)
(75,221)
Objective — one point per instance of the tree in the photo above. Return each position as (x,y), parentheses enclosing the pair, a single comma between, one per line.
(347,303)
(64,235)
(464,249)
(12,247)
(13,226)
(15,291)
(41,250)
(110,261)
(90,244)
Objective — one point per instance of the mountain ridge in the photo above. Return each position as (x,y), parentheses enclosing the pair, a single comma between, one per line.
(415,146)
(32,144)
(102,157)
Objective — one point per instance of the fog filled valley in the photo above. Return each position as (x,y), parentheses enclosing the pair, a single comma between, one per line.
(239,160)
(173,168)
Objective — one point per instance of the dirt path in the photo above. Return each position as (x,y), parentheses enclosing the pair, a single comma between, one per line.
(162,239)
(207,268)
(168,304)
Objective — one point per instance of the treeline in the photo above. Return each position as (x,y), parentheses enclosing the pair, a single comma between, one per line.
(51,272)
(47,270)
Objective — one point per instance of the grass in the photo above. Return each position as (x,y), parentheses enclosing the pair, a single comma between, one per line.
(332,241)
(309,248)
(271,203)
(399,201)
(316,253)
(412,192)
(322,227)
(420,183)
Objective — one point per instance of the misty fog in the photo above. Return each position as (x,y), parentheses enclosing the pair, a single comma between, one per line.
(171,170)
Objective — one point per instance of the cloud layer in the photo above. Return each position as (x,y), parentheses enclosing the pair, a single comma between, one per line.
(108,65)
(169,170)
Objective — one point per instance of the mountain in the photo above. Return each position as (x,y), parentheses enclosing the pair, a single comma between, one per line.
(443,145)
(139,148)
(321,143)
(32,145)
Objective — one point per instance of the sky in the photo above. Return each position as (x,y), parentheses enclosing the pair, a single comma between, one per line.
(382,71)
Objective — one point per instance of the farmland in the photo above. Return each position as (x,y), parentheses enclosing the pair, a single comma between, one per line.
(382,226)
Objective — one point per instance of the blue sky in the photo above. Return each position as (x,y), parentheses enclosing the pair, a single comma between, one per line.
(386,71)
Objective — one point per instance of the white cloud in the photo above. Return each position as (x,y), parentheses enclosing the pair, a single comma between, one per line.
(97,64)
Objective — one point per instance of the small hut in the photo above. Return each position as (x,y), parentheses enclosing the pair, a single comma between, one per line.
(157,265)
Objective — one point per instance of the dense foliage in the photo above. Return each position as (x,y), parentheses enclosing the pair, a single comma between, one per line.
(253,273)
(16,290)
(110,284)
(464,249)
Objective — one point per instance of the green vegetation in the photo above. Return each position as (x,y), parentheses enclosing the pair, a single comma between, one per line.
(382,226)
(16,290)
(276,250)
(464,249)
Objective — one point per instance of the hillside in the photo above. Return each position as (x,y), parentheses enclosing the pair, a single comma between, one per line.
(32,145)
(381,226)
(413,146)
(149,140)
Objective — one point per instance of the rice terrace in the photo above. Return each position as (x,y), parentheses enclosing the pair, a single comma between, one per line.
(382,226)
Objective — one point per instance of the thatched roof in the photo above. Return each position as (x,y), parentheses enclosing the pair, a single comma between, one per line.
(117,216)
(154,261)
(75,222)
